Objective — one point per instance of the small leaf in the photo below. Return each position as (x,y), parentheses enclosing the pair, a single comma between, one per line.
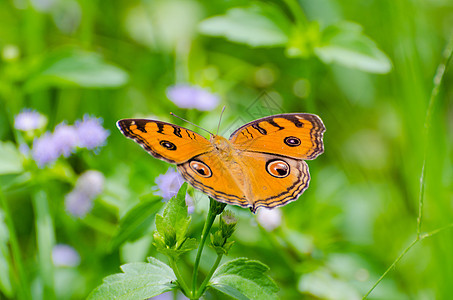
(76,68)
(174,253)
(244,279)
(175,217)
(176,214)
(136,222)
(10,159)
(189,244)
(346,44)
(170,237)
(139,281)
(256,26)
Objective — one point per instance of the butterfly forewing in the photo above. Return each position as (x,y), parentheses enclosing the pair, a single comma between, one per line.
(165,141)
(295,135)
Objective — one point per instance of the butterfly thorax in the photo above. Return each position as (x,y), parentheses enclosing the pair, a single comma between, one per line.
(223,147)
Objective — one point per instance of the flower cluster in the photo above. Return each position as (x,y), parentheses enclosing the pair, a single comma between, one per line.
(28,120)
(168,185)
(89,185)
(87,133)
(187,96)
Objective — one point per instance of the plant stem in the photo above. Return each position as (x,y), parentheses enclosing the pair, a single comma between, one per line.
(182,283)
(208,277)
(23,291)
(437,81)
(207,227)
(392,266)
(45,240)
(438,78)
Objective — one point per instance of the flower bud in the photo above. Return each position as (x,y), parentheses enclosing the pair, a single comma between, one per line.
(227,224)
(216,207)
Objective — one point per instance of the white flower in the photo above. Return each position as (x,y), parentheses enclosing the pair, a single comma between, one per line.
(269,218)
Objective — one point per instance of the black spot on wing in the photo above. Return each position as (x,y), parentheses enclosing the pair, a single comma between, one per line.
(272,122)
(160,127)
(177,131)
(260,129)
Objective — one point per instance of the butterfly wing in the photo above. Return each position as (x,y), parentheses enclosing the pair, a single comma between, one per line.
(250,180)
(165,141)
(296,135)
(220,179)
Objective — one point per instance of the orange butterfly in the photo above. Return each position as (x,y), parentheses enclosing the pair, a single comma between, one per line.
(260,165)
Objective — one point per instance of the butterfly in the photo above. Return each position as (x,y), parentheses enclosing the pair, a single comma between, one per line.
(262,164)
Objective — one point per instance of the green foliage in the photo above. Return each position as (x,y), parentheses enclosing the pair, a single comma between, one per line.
(138,281)
(265,26)
(346,44)
(136,223)
(244,279)
(71,68)
(256,26)
(10,159)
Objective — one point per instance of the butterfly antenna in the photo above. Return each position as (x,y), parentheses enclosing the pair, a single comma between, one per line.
(191,123)
(221,114)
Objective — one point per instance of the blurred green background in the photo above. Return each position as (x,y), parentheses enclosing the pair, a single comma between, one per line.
(365,67)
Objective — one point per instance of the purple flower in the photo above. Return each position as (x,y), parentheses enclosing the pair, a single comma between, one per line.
(89,185)
(65,256)
(187,96)
(65,139)
(77,203)
(24,149)
(28,120)
(90,132)
(168,185)
(44,151)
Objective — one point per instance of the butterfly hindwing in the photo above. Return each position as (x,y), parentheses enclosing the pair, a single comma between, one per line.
(252,180)
(165,141)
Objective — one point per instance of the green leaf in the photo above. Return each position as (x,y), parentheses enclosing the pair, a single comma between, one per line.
(256,26)
(175,219)
(139,281)
(187,245)
(170,237)
(136,222)
(244,279)
(176,215)
(10,159)
(76,68)
(345,43)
